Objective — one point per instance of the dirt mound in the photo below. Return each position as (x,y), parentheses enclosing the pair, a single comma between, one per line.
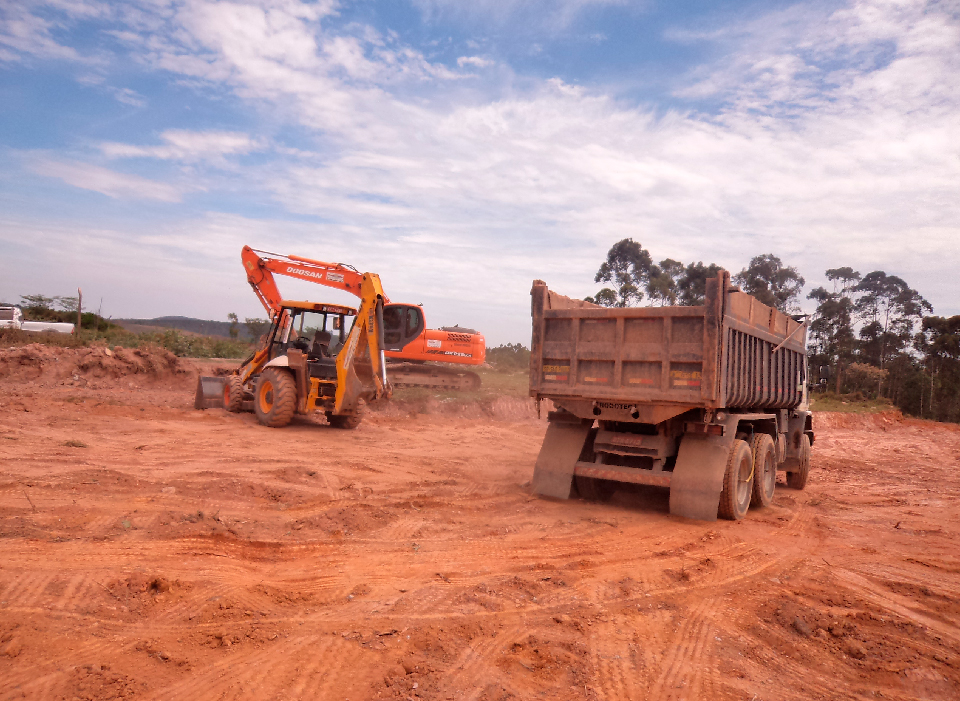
(40,363)
(500,408)
(840,419)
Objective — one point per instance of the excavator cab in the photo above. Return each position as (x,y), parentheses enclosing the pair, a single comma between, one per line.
(402,323)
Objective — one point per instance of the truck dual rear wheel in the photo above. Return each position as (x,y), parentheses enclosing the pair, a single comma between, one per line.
(737,483)
(233,393)
(797,478)
(276,397)
(764,469)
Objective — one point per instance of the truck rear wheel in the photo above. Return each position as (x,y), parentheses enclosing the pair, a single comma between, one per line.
(764,470)
(737,483)
(593,489)
(797,478)
(276,398)
(233,393)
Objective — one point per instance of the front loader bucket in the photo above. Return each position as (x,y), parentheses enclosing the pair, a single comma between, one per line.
(209,393)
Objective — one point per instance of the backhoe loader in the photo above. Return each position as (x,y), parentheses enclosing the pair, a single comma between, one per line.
(308,361)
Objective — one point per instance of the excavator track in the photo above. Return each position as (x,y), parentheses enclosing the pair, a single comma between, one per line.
(432,376)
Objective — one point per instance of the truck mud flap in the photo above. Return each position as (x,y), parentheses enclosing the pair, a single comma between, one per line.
(209,393)
(698,475)
(553,474)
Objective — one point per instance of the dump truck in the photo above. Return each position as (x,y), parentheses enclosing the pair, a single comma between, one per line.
(709,401)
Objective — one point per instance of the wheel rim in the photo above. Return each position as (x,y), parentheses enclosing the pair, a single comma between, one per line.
(266,396)
(744,486)
(769,475)
(226,395)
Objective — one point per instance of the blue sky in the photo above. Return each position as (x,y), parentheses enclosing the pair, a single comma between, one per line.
(461,150)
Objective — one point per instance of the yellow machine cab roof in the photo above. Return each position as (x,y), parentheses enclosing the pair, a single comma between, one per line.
(319,307)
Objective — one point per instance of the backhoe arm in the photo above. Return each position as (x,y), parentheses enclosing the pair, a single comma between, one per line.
(367,333)
(261,266)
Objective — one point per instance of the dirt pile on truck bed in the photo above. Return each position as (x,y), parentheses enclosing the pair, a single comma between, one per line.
(153,551)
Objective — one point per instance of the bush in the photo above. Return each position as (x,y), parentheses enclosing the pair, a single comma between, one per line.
(864,379)
(178,343)
(509,358)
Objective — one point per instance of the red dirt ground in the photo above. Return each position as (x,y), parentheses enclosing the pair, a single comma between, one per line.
(151,551)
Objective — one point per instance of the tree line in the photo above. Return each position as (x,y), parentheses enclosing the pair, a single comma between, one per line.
(870,336)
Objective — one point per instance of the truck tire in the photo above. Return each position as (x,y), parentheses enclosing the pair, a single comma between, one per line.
(593,489)
(276,398)
(233,394)
(764,470)
(737,483)
(797,478)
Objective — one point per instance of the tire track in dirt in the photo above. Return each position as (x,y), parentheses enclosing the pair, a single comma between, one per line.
(893,602)
(787,673)
(471,669)
(680,670)
(28,589)
(615,670)
(228,677)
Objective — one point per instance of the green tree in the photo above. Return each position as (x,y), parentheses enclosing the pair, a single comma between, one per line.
(234,329)
(940,343)
(37,303)
(692,285)
(256,327)
(831,329)
(663,281)
(890,310)
(770,281)
(67,304)
(626,270)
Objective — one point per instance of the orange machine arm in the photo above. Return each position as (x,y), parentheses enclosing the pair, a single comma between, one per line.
(261,269)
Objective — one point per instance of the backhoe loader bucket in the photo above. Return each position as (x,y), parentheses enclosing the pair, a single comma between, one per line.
(209,393)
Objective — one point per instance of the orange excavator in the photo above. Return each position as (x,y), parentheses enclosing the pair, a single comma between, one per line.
(411,348)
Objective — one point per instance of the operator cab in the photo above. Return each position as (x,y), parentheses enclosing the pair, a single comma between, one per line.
(402,323)
(318,330)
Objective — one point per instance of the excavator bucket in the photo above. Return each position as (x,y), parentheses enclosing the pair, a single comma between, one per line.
(209,393)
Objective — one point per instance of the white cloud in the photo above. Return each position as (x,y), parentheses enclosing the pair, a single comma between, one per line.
(835,144)
(477,61)
(184,145)
(105,181)
(24,34)
(550,15)
(823,146)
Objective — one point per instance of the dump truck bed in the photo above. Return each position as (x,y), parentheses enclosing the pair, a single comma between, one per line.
(731,352)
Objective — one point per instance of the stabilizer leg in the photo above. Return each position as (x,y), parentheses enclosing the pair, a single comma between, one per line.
(553,475)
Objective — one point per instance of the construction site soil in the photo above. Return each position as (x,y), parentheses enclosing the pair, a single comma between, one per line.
(151,551)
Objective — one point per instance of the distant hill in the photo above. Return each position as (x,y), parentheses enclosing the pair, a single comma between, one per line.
(204,327)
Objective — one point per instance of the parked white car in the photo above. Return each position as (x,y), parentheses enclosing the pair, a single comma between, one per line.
(12,318)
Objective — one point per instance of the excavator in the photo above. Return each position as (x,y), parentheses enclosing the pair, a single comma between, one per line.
(401,336)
